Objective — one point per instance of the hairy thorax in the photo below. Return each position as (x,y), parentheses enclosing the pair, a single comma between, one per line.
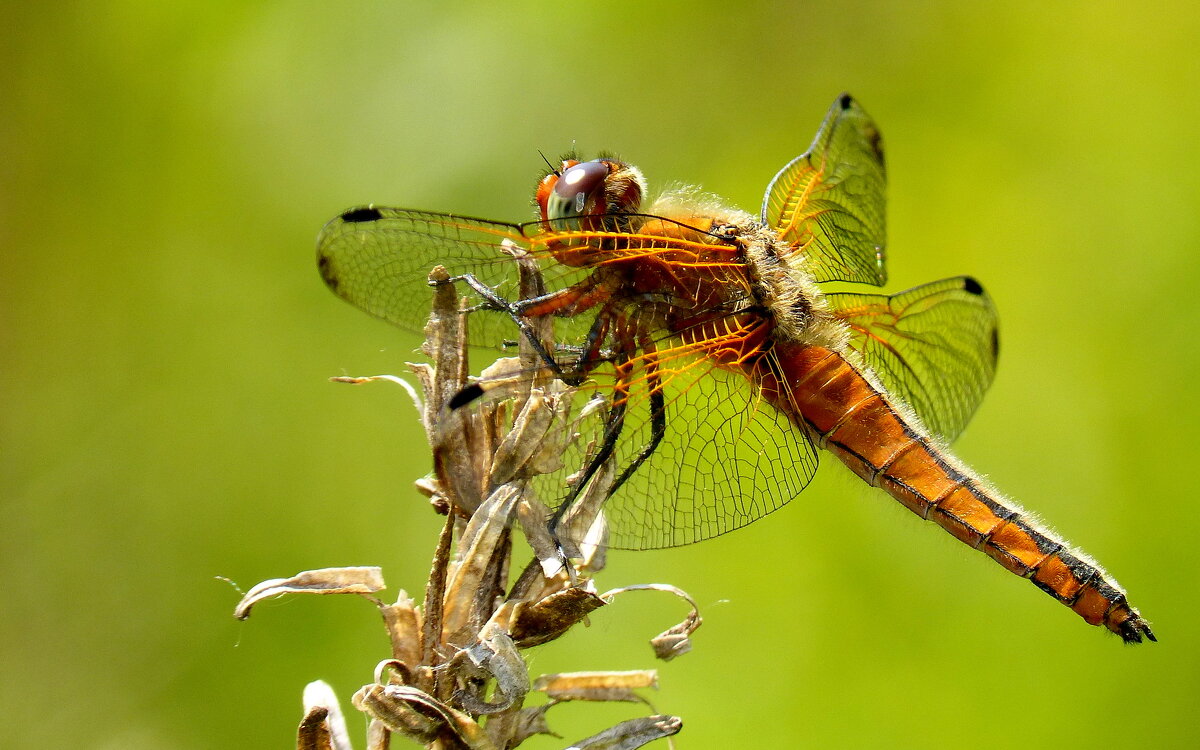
(765,272)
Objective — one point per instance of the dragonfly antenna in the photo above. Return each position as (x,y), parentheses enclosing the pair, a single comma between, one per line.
(548,164)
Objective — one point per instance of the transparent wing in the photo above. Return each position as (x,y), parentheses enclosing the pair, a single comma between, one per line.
(726,457)
(722,457)
(933,346)
(828,203)
(379,259)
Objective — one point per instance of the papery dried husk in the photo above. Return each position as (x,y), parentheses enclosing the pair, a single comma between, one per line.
(414,714)
(403,620)
(597,686)
(632,734)
(324,726)
(348,580)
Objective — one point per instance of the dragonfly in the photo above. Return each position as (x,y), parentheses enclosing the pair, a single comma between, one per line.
(726,367)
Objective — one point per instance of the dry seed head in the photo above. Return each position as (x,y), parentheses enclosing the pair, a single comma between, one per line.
(457,658)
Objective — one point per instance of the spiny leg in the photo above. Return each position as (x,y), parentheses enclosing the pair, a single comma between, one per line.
(567,302)
(658,412)
(493,301)
(614,423)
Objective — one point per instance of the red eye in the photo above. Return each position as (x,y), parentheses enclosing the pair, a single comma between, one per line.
(577,190)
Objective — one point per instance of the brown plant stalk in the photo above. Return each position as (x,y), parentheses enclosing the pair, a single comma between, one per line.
(457,676)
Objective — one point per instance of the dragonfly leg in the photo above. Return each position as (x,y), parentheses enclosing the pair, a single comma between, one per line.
(589,355)
(493,301)
(625,369)
(614,424)
(612,431)
(570,301)
(658,413)
(579,297)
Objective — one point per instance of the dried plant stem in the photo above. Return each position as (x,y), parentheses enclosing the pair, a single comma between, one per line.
(456,677)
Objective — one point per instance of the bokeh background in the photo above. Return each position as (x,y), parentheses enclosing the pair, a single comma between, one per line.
(165,342)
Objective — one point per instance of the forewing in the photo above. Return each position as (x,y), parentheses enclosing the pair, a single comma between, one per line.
(726,458)
(933,346)
(828,203)
(379,260)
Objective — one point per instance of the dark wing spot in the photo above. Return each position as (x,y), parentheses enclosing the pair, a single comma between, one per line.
(846,101)
(995,343)
(971,286)
(465,396)
(326,271)
(875,141)
(358,215)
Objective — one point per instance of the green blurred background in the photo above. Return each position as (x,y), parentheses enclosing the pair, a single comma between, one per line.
(165,344)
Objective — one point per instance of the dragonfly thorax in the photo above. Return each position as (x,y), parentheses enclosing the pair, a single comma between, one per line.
(780,286)
(784,287)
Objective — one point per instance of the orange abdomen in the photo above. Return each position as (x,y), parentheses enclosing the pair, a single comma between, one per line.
(853,419)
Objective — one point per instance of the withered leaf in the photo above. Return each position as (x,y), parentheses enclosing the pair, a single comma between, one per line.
(533,515)
(384,704)
(531,721)
(350,580)
(539,622)
(414,714)
(379,737)
(597,686)
(674,641)
(527,433)
(313,733)
(632,734)
(403,621)
(324,726)
(479,550)
(495,657)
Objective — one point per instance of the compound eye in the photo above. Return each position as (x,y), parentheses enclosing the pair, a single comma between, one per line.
(576,190)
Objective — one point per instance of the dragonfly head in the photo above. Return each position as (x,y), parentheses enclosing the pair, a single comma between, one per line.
(578,190)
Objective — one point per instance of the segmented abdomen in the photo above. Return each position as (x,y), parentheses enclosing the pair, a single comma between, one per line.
(850,417)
